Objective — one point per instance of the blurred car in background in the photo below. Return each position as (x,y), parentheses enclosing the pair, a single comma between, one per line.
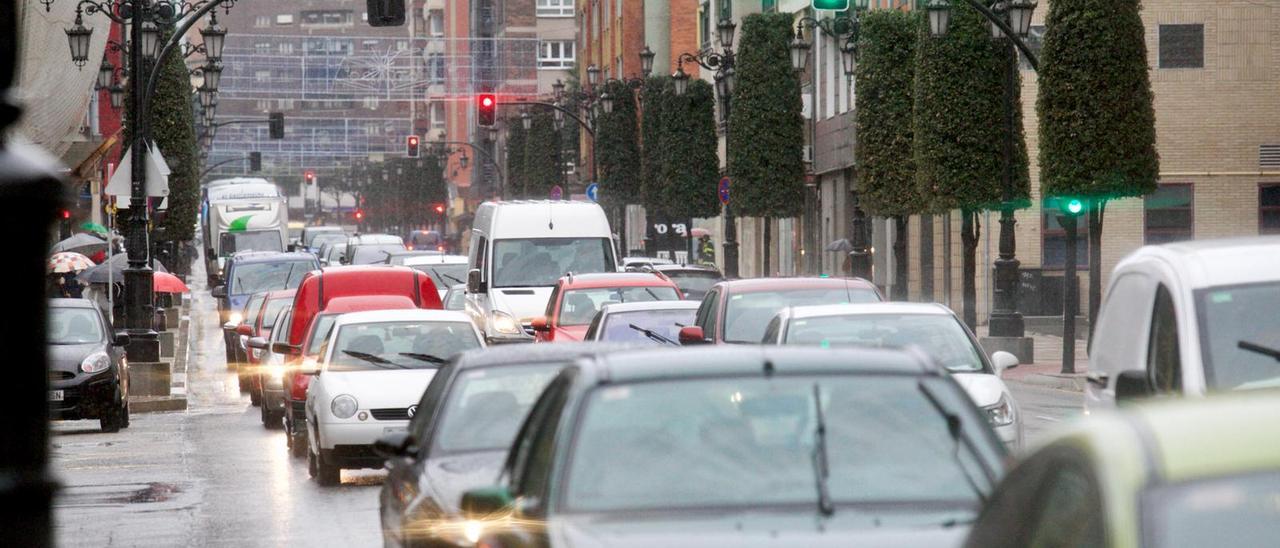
(332,253)
(260,326)
(270,370)
(632,264)
(456,297)
(738,311)
(1192,472)
(693,280)
(236,333)
(252,272)
(88,372)
(445,270)
(652,322)
(307,238)
(371,248)
(576,299)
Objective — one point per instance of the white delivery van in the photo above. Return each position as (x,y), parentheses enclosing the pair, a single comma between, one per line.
(519,250)
(244,217)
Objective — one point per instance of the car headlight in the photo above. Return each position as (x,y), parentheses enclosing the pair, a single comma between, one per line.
(344,406)
(276,371)
(505,323)
(235,318)
(1000,414)
(95,362)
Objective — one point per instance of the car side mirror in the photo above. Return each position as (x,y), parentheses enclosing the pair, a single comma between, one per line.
(474,285)
(120,338)
(540,324)
(257,342)
(1002,360)
(394,445)
(285,348)
(692,335)
(1133,384)
(244,329)
(486,501)
(219,292)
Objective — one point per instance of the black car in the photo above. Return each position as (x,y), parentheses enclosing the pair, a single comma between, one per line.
(88,375)
(693,280)
(459,436)
(743,446)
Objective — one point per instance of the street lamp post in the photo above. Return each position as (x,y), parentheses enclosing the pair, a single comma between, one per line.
(146,54)
(722,62)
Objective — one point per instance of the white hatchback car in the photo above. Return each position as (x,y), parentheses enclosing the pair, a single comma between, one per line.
(1186,319)
(933,328)
(373,369)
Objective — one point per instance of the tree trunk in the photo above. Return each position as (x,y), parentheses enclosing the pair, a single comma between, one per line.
(768,243)
(1095,261)
(969,230)
(926,258)
(1070,300)
(901,267)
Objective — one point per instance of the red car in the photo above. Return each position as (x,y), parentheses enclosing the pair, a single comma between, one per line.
(261,326)
(576,299)
(739,311)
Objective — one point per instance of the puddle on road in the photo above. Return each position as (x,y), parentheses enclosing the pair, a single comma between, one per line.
(131,493)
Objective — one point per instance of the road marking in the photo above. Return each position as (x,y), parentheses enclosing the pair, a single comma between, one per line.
(1050,419)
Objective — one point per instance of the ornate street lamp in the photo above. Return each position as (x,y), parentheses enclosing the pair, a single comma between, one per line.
(78,38)
(558,88)
(939,17)
(606,101)
(105,71)
(849,56)
(1020,16)
(208,96)
(526,121)
(724,30)
(214,39)
(117,96)
(799,51)
(150,40)
(559,114)
(681,80)
(646,61)
(593,75)
(212,76)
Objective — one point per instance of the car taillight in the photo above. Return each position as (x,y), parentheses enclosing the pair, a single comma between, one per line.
(298,390)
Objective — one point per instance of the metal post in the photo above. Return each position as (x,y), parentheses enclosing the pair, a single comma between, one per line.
(1005,320)
(144,345)
(860,257)
(1069,298)
(730,223)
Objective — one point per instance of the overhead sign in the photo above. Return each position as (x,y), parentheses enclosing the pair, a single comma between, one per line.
(723,191)
(593,192)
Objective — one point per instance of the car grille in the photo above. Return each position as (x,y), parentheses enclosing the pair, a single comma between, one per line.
(391,414)
(61,375)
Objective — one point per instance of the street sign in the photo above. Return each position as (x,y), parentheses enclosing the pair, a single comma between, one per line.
(593,191)
(724,191)
(556,192)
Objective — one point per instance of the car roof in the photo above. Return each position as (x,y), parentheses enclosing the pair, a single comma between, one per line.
(361,303)
(617,308)
(615,279)
(322,228)
(71,303)
(517,354)
(435,259)
(417,314)
(851,309)
(714,360)
(751,285)
(1217,262)
(651,260)
(248,257)
(1190,442)
(361,239)
(684,267)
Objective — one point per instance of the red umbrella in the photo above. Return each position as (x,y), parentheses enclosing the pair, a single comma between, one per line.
(165,282)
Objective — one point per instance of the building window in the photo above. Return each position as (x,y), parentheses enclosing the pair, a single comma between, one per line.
(555,54)
(262,48)
(284,104)
(1169,214)
(435,68)
(286,48)
(370,102)
(435,22)
(327,46)
(327,17)
(1181,46)
(704,25)
(402,45)
(1053,243)
(284,19)
(262,76)
(437,115)
(262,21)
(555,8)
(264,105)
(1269,208)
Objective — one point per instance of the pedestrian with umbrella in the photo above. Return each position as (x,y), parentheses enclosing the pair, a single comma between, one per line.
(62,269)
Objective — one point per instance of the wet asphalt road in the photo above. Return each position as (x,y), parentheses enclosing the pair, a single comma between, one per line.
(213,476)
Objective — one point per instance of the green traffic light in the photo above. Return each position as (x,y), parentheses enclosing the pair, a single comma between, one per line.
(830,5)
(1075,206)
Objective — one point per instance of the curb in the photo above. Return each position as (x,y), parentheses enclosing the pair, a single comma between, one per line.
(154,404)
(177,398)
(1069,383)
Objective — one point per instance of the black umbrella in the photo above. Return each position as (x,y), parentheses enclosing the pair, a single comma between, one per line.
(841,245)
(99,274)
(82,243)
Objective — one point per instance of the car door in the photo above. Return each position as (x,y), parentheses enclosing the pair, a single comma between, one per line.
(708,314)
(1164,354)
(406,481)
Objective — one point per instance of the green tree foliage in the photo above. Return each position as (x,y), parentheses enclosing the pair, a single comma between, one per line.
(1097,123)
(885,80)
(515,176)
(765,126)
(403,191)
(691,160)
(617,149)
(541,156)
(959,116)
(655,94)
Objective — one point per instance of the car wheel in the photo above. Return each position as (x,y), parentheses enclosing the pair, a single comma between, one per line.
(298,445)
(243,383)
(113,419)
(254,397)
(313,468)
(325,474)
(271,419)
(124,412)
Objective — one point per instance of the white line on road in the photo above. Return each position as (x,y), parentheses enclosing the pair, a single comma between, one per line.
(1050,419)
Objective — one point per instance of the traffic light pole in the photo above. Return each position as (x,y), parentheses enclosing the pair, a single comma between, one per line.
(482,152)
(595,173)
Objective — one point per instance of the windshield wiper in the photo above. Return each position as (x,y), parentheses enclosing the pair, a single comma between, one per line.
(653,335)
(953,429)
(367,357)
(424,357)
(455,280)
(821,466)
(1260,349)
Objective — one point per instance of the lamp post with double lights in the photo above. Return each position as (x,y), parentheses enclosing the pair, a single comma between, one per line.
(721,62)
(1010,22)
(146,54)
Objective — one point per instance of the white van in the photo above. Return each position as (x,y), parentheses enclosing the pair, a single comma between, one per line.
(249,216)
(518,252)
(1186,319)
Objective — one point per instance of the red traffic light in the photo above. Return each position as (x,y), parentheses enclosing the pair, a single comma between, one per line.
(487,107)
(411,146)
(66,214)
(309,176)
(439,209)
(359,214)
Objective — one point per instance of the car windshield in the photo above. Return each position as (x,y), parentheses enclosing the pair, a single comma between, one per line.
(1235,314)
(1237,510)
(750,442)
(693,283)
(267,240)
(486,406)
(444,275)
(336,252)
(455,300)
(580,305)
(251,307)
(74,326)
(272,309)
(258,277)
(320,333)
(313,236)
(373,253)
(542,261)
(748,314)
(617,326)
(399,345)
(939,335)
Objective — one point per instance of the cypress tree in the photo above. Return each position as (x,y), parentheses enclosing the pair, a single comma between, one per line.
(617,149)
(541,156)
(515,179)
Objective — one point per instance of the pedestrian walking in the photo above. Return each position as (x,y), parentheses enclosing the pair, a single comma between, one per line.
(706,251)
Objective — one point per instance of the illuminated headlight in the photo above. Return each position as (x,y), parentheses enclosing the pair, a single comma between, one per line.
(505,323)
(276,371)
(472,530)
(344,406)
(95,362)
(236,318)
(1000,414)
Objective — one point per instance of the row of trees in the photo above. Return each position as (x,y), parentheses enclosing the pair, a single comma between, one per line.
(394,193)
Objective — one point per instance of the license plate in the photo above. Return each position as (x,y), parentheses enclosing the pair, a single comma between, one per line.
(55,395)
(394,429)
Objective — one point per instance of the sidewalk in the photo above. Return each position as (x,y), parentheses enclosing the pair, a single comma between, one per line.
(1047,369)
